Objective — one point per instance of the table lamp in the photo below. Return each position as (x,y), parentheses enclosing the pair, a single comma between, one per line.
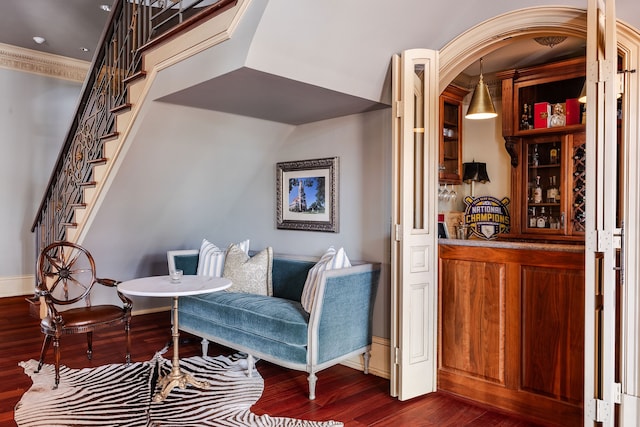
(474,172)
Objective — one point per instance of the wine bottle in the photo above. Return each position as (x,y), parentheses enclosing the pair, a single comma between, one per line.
(552,191)
(542,221)
(533,219)
(535,157)
(553,154)
(537,191)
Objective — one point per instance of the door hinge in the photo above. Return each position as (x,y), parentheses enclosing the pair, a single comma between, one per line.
(396,356)
(617,393)
(398,232)
(598,410)
(599,240)
(398,109)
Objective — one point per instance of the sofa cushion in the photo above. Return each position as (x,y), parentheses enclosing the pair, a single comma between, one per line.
(277,319)
(211,258)
(249,274)
(331,260)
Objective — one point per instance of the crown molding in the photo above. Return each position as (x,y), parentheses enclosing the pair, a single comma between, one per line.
(44,64)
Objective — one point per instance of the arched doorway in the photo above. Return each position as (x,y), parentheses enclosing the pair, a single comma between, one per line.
(497,32)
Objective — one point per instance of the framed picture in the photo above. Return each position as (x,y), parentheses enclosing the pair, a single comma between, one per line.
(443,231)
(307,195)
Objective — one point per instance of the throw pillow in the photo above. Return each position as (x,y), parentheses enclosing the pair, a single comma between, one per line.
(211,258)
(250,275)
(331,260)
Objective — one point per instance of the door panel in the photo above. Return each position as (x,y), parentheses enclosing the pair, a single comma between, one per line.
(413,265)
(601,202)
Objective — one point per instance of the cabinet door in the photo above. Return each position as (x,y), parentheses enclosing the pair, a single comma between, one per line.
(544,185)
(451,135)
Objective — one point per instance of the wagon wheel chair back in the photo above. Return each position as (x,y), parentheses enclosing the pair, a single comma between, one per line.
(66,275)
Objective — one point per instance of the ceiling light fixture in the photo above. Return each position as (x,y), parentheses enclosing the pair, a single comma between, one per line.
(481,105)
(39,39)
(105,7)
(550,41)
(84,49)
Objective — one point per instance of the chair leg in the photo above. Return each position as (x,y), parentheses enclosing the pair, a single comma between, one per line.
(43,352)
(312,385)
(127,327)
(89,345)
(367,358)
(205,347)
(56,353)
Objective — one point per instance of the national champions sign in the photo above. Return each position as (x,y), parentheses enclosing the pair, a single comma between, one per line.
(487,216)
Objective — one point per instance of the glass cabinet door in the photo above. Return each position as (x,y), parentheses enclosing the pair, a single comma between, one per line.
(545,211)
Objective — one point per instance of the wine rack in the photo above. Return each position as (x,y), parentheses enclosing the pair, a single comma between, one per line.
(579,188)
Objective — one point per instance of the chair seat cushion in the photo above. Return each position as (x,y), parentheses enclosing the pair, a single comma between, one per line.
(277,319)
(83,317)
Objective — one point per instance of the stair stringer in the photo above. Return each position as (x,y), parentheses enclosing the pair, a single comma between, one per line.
(207,34)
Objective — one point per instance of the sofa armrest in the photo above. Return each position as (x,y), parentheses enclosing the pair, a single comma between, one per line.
(341,319)
(185,260)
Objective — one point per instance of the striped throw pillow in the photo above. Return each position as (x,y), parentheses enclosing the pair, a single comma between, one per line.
(211,258)
(331,260)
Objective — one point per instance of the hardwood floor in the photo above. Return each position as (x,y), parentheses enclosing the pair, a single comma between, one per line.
(343,394)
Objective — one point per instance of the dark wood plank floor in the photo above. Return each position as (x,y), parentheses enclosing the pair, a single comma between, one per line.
(343,394)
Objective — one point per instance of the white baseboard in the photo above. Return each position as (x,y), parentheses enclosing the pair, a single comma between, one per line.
(379,362)
(14,286)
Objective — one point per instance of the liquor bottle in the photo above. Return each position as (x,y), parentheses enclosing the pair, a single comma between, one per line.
(533,219)
(537,191)
(552,191)
(535,157)
(530,117)
(579,155)
(554,222)
(553,154)
(524,120)
(542,221)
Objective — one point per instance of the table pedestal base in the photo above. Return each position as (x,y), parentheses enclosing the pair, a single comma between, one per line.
(176,377)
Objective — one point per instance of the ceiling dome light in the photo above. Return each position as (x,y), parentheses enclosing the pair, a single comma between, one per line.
(105,7)
(39,39)
(550,41)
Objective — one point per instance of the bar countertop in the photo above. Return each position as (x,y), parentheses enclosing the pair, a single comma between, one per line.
(511,244)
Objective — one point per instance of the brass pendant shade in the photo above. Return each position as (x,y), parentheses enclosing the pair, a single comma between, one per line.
(481,105)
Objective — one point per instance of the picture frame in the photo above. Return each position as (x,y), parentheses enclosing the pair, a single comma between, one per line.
(443,231)
(307,195)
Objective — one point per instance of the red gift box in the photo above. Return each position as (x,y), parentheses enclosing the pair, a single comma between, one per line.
(572,111)
(541,113)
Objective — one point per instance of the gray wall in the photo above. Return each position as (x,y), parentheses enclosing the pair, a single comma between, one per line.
(35,114)
(192,174)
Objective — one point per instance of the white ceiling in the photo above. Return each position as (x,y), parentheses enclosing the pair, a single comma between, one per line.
(69,25)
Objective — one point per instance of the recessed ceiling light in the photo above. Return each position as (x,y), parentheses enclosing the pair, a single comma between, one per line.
(84,49)
(39,39)
(105,7)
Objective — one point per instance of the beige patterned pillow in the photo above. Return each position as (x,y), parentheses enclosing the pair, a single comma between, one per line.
(249,274)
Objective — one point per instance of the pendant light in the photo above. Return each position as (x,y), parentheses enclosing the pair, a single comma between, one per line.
(481,106)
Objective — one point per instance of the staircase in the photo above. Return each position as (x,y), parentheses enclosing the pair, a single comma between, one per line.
(141,38)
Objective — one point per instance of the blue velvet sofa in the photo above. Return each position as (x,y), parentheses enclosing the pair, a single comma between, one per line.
(276,328)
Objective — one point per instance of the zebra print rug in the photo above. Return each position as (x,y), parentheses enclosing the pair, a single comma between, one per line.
(120,395)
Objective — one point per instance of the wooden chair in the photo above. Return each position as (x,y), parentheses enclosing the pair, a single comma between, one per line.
(66,275)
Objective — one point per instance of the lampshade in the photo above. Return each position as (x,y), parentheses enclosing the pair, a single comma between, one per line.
(474,172)
(481,105)
(582,98)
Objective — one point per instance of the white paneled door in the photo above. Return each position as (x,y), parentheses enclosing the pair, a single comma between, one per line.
(601,227)
(414,273)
